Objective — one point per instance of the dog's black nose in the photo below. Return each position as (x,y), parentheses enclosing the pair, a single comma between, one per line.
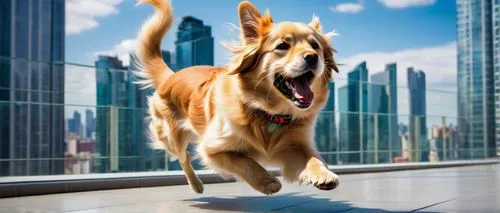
(311,59)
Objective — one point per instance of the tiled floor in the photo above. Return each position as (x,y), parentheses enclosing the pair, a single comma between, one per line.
(466,189)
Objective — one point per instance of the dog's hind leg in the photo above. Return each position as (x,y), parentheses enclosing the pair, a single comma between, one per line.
(175,140)
(182,140)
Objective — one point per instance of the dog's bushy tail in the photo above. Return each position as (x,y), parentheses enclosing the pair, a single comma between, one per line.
(151,69)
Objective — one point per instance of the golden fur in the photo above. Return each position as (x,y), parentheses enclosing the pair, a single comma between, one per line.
(218,107)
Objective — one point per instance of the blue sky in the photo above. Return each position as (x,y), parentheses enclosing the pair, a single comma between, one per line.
(419,33)
(377,28)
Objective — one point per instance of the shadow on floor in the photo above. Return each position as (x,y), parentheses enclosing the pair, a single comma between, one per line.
(290,202)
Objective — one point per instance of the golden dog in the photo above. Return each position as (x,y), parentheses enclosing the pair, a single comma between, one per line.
(258,110)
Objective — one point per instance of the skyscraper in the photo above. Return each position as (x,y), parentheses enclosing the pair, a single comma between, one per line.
(195,44)
(353,108)
(89,123)
(119,139)
(32,75)
(496,52)
(75,123)
(475,63)
(418,121)
(326,133)
(383,128)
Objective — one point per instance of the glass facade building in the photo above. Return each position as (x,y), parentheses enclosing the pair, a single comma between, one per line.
(383,121)
(32,87)
(326,132)
(194,44)
(75,123)
(353,105)
(419,145)
(496,61)
(90,122)
(119,121)
(475,82)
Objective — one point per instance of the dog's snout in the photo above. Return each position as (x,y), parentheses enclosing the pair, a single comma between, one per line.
(311,59)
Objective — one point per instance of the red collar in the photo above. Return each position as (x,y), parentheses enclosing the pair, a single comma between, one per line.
(280,120)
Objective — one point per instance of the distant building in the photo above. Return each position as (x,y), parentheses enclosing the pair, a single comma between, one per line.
(194,44)
(119,138)
(167,58)
(405,144)
(32,51)
(442,142)
(75,123)
(383,137)
(353,109)
(418,120)
(78,155)
(326,133)
(90,123)
(478,65)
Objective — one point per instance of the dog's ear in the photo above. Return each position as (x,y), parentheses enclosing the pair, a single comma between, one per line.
(325,40)
(254,27)
(316,24)
(253,24)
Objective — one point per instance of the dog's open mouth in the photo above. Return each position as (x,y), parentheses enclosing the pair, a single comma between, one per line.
(297,89)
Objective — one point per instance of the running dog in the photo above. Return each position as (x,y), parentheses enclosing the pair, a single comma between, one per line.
(259,109)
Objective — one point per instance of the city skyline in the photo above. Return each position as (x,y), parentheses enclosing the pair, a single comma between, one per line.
(432,35)
(380,108)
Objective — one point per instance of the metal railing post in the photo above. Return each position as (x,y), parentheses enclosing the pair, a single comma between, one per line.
(445,137)
(113,139)
(361,130)
(417,139)
(375,136)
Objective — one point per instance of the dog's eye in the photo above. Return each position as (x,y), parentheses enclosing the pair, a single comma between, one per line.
(315,45)
(283,46)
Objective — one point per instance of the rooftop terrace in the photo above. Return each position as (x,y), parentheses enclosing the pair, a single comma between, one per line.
(455,189)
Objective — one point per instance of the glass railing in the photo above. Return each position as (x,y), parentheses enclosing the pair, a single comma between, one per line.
(75,119)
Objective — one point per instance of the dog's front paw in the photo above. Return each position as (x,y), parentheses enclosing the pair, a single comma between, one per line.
(321,177)
(268,185)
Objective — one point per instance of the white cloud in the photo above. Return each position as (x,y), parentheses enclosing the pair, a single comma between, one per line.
(438,63)
(81,15)
(122,50)
(348,7)
(400,4)
(79,89)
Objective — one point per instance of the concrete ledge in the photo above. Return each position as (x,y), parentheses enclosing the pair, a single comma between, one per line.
(40,185)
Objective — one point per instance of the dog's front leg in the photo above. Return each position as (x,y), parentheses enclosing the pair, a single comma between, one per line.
(306,165)
(243,167)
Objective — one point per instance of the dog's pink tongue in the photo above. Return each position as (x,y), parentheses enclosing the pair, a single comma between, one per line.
(303,92)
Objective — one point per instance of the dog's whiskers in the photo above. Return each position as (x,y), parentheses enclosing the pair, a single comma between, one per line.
(258,82)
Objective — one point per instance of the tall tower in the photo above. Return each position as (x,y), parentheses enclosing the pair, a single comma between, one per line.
(195,44)
(418,120)
(89,123)
(475,63)
(119,120)
(326,132)
(496,51)
(32,78)
(383,110)
(353,108)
